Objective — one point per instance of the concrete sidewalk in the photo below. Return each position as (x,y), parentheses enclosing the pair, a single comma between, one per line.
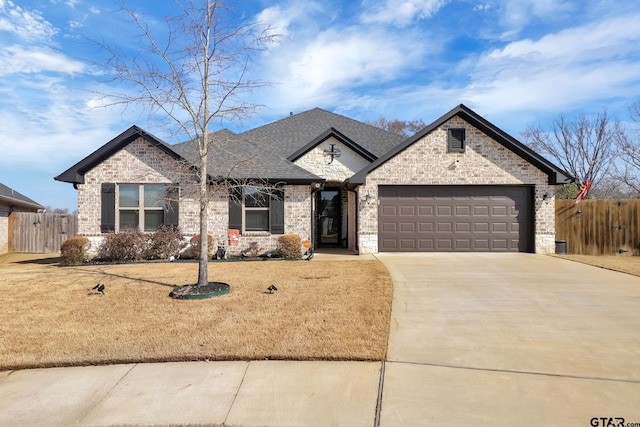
(262,393)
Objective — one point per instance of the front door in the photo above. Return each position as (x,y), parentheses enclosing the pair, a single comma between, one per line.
(329,217)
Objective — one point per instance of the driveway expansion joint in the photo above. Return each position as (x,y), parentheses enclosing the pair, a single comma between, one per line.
(244,375)
(512,371)
(107,394)
(376,422)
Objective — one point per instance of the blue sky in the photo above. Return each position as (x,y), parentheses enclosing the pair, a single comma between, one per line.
(517,63)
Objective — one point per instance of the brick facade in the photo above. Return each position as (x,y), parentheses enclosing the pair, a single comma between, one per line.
(484,162)
(425,162)
(142,163)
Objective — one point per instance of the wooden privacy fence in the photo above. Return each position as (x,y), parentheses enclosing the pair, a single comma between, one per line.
(40,233)
(599,227)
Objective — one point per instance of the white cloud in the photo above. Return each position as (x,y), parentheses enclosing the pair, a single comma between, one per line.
(336,61)
(514,15)
(74,25)
(401,12)
(26,25)
(559,70)
(482,6)
(21,59)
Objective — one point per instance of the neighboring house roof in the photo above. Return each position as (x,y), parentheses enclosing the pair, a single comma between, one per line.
(12,197)
(287,136)
(75,174)
(556,175)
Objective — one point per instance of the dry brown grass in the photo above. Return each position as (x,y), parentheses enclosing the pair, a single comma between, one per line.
(336,310)
(625,264)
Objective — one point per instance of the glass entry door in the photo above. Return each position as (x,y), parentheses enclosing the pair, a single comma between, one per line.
(329,217)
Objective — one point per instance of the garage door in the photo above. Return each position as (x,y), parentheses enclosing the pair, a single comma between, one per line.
(455,218)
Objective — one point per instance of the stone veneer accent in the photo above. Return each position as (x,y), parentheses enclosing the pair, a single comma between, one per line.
(484,162)
(340,169)
(142,163)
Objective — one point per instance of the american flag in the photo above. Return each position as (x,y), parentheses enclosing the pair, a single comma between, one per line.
(584,189)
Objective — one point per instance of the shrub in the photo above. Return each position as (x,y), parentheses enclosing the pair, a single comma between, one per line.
(195,245)
(74,250)
(128,245)
(290,246)
(166,241)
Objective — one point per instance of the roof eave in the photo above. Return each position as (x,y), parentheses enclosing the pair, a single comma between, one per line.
(556,175)
(21,203)
(75,174)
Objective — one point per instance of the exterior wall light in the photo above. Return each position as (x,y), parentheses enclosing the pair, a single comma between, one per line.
(368,198)
(546,197)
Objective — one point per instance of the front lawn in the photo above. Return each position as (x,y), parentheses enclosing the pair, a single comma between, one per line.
(625,264)
(323,310)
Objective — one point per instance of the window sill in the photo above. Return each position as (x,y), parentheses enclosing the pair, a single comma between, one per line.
(256,234)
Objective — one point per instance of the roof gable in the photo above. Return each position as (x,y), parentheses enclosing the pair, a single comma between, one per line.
(331,132)
(75,174)
(556,175)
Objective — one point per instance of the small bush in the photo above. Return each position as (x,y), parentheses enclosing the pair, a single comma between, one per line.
(290,246)
(128,245)
(74,250)
(195,245)
(166,242)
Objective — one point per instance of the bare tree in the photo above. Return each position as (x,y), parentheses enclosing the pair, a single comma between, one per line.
(193,72)
(585,147)
(399,127)
(628,143)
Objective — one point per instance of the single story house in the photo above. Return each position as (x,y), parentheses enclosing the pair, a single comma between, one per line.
(460,184)
(12,201)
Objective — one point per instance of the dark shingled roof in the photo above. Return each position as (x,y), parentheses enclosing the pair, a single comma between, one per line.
(233,156)
(286,136)
(12,197)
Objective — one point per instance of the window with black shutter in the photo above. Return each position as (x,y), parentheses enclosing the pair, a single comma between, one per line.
(254,208)
(141,206)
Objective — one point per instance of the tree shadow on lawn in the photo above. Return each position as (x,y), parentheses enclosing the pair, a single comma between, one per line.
(137,279)
(41,261)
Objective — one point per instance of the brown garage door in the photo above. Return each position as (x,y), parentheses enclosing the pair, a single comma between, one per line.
(455,218)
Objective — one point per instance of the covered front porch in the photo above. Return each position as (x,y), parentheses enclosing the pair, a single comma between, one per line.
(334,218)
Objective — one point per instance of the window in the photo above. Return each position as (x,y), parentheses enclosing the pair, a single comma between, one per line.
(257,209)
(141,206)
(455,140)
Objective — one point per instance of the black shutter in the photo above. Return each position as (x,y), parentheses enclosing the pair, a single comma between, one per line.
(235,209)
(108,208)
(276,216)
(172,205)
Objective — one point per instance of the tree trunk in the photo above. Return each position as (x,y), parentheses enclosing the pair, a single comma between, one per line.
(203,262)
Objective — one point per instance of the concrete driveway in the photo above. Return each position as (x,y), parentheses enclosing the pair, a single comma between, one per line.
(514,339)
